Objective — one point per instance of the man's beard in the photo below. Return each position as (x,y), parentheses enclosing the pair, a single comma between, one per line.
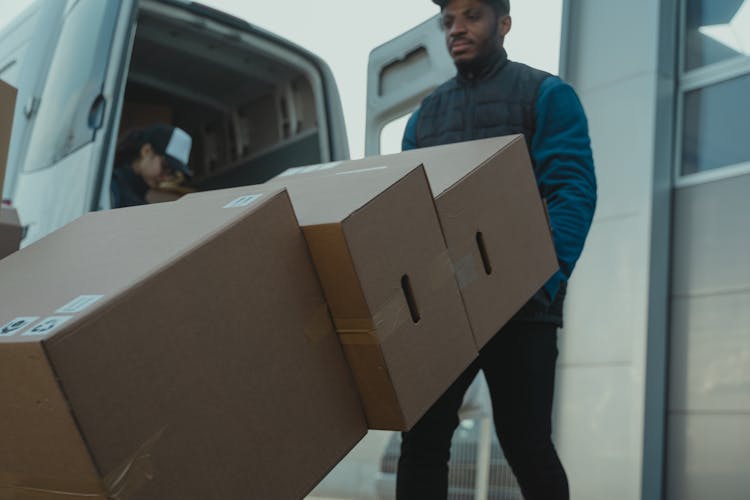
(476,65)
(484,57)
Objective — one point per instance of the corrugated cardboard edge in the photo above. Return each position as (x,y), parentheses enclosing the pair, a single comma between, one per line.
(335,271)
(365,356)
(318,326)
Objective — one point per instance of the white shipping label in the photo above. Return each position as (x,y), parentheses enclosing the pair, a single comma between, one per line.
(47,325)
(79,304)
(361,170)
(243,201)
(15,326)
(310,168)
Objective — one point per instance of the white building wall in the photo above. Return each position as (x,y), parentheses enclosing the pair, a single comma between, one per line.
(610,389)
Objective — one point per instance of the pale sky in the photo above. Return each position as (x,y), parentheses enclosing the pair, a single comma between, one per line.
(342,32)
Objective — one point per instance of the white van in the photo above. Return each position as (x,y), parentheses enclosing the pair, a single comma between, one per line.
(88,70)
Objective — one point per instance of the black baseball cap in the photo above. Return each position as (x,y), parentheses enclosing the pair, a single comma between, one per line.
(171,142)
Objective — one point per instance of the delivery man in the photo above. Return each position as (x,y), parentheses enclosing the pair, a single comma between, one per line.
(492,96)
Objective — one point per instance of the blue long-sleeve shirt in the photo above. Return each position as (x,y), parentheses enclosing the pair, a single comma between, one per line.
(564,169)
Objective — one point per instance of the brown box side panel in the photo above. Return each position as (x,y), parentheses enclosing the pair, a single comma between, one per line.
(499,200)
(40,446)
(223,368)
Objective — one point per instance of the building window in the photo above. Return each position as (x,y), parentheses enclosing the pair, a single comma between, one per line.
(714,85)
(716,130)
(717,30)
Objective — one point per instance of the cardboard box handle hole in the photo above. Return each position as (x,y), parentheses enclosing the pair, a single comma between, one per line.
(483,253)
(410,301)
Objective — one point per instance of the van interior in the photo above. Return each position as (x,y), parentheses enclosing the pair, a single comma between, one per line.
(250,111)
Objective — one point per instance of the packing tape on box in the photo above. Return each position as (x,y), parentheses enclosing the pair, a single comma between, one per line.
(383,323)
(466,270)
(318,326)
(351,326)
(395,312)
(120,484)
(368,338)
(442,271)
(123,481)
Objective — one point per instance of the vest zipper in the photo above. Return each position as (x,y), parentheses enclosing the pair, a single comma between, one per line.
(471,110)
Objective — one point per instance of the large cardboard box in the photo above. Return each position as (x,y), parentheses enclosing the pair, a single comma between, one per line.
(492,216)
(10,231)
(171,352)
(7,109)
(376,243)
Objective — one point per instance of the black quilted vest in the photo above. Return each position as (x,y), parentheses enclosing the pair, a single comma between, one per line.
(499,99)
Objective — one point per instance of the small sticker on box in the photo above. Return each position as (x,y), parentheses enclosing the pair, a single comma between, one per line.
(79,304)
(17,325)
(243,201)
(47,326)
(310,168)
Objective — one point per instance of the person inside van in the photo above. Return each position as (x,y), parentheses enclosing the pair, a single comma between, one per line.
(146,158)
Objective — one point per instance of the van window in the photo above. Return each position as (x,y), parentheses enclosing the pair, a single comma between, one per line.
(392,134)
(75,81)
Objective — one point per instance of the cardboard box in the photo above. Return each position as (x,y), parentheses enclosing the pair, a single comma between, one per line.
(171,352)
(159,196)
(377,246)
(7,109)
(10,232)
(492,216)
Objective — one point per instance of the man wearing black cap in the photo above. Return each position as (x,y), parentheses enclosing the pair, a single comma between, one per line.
(492,96)
(144,159)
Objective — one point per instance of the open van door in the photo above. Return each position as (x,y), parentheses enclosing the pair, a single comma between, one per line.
(26,46)
(400,73)
(76,113)
(253,103)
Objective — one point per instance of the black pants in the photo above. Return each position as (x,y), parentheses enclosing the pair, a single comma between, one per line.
(519,365)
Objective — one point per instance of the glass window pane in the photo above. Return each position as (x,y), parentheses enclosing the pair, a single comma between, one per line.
(75,80)
(716,30)
(716,126)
